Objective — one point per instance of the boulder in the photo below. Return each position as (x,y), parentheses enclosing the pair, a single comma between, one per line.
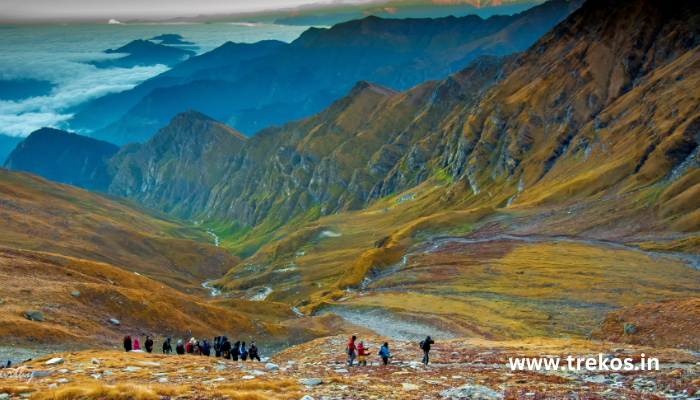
(272,366)
(307,397)
(113,321)
(311,381)
(95,361)
(472,392)
(55,361)
(34,316)
(75,293)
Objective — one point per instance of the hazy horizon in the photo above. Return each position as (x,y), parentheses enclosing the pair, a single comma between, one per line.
(95,11)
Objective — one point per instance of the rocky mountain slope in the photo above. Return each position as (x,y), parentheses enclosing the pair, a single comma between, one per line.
(64,157)
(323,64)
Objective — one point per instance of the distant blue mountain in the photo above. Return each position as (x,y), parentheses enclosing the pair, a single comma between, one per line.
(144,52)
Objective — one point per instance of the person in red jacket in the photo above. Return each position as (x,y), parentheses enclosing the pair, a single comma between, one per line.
(363,353)
(351,350)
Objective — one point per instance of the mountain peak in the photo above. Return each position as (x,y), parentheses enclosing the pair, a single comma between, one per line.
(364,85)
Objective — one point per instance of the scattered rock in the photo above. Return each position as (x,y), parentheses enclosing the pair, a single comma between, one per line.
(410,386)
(55,361)
(149,364)
(75,293)
(311,382)
(108,373)
(472,392)
(37,374)
(629,329)
(96,376)
(114,321)
(132,369)
(248,377)
(34,316)
(341,371)
(272,366)
(62,380)
(95,361)
(307,397)
(163,380)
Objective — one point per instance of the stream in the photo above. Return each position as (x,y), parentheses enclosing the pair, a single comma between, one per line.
(214,291)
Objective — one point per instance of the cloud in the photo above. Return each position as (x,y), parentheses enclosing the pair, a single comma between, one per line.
(114,22)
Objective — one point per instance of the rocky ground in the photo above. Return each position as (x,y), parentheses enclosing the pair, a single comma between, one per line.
(470,369)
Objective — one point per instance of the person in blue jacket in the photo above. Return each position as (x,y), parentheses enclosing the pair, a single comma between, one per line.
(384,353)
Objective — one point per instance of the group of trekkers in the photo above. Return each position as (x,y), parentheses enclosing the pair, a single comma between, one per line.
(222,348)
(359,350)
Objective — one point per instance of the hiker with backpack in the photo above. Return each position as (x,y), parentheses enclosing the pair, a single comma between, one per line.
(136,344)
(189,347)
(217,346)
(127,343)
(244,352)
(225,348)
(236,351)
(363,353)
(149,344)
(425,346)
(206,348)
(167,348)
(180,348)
(384,353)
(253,352)
(350,351)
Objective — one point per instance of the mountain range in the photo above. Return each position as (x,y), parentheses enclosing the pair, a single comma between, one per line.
(244,85)
(524,194)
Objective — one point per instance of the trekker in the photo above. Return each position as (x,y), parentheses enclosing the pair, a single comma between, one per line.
(362,352)
(167,348)
(136,344)
(244,352)
(384,353)
(179,348)
(197,349)
(253,352)
(236,351)
(189,347)
(9,363)
(351,350)
(217,346)
(127,343)
(425,346)
(206,349)
(225,348)
(149,344)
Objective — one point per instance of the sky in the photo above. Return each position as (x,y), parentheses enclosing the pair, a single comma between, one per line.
(32,11)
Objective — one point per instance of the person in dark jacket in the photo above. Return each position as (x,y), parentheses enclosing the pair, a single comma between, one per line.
(384,353)
(225,348)
(217,346)
(253,352)
(206,348)
(425,346)
(236,351)
(167,348)
(149,344)
(244,352)
(180,348)
(127,343)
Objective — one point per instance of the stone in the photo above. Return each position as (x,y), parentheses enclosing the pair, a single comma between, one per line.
(311,381)
(75,293)
(472,392)
(149,364)
(4,396)
(62,380)
(307,397)
(132,369)
(629,329)
(78,371)
(160,374)
(272,366)
(34,316)
(96,376)
(95,361)
(63,371)
(163,380)
(410,386)
(341,371)
(38,374)
(108,373)
(55,361)
(248,377)
(113,321)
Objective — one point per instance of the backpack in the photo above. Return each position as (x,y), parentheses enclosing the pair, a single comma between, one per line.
(421,344)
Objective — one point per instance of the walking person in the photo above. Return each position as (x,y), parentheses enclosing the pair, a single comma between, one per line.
(351,350)
(197,348)
(253,352)
(236,351)
(217,346)
(363,353)
(225,348)
(244,352)
(206,348)
(180,348)
(127,343)
(136,344)
(425,346)
(189,347)
(384,353)
(149,344)
(167,348)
